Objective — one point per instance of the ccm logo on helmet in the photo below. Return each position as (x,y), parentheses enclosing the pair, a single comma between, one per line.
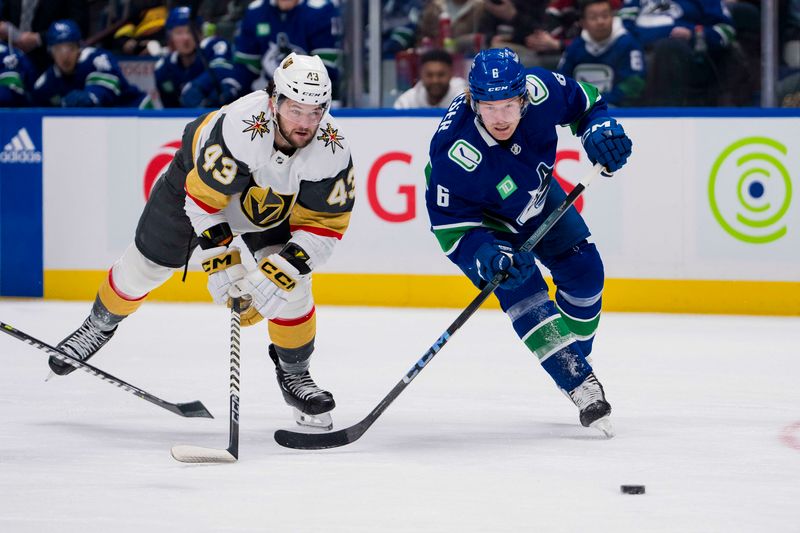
(495,89)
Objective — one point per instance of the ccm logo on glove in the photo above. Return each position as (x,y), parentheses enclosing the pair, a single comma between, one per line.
(277,276)
(221,262)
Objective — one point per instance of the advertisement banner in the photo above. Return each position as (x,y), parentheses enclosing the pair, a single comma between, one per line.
(21,206)
(701,200)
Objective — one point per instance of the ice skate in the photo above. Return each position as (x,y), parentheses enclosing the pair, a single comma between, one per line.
(311,404)
(82,344)
(595,411)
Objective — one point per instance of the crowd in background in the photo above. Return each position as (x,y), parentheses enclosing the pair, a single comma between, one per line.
(208,53)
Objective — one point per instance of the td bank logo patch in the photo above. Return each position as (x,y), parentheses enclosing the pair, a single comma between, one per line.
(465,155)
(506,187)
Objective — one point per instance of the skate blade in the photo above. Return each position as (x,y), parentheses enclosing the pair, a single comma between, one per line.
(604,425)
(50,376)
(322,421)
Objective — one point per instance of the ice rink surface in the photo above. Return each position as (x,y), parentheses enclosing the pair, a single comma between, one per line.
(706,409)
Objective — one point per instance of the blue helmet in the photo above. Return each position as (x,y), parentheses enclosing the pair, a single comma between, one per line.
(178,16)
(496,74)
(63,31)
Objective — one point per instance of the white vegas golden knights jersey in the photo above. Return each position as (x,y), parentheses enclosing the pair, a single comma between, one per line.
(240,178)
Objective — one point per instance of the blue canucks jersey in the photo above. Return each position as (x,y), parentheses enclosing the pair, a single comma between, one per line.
(212,65)
(651,20)
(17,76)
(477,186)
(267,35)
(97,74)
(615,66)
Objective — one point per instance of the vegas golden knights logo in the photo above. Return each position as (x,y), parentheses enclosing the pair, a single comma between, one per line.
(265,207)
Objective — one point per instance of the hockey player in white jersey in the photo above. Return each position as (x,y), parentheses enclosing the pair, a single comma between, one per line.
(272,167)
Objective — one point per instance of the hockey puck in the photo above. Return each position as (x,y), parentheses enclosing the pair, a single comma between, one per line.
(632,489)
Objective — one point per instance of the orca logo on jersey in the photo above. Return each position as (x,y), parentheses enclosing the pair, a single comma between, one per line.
(539,195)
(264,207)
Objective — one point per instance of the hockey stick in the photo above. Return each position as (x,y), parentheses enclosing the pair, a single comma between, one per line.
(187,453)
(190,410)
(342,437)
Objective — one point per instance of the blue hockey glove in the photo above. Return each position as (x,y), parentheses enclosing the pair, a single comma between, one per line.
(191,96)
(78,98)
(498,256)
(606,143)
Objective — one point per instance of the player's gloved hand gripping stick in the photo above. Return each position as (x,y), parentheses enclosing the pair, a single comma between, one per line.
(342,437)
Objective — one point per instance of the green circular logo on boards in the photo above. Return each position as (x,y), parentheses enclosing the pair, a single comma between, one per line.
(750,190)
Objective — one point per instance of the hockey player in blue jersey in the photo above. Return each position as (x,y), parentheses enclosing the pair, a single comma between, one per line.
(490,185)
(605,55)
(192,75)
(17,76)
(272,29)
(88,77)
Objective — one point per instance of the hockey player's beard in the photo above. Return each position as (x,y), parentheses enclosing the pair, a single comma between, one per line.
(297,138)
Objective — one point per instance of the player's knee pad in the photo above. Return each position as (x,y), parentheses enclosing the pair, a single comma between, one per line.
(128,282)
(579,277)
(134,275)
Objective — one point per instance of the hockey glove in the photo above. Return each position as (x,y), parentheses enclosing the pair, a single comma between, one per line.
(78,98)
(498,256)
(224,267)
(606,143)
(268,286)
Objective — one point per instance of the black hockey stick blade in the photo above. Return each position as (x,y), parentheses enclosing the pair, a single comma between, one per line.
(320,441)
(194,409)
(342,437)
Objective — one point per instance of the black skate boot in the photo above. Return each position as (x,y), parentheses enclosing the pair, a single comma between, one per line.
(311,404)
(82,344)
(594,409)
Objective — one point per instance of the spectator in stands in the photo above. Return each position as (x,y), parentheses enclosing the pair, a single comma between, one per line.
(86,77)
(17,76)
(453,25)
(190,76)
(271,30)
(563,19)
(437,87)
(605,55)
(24,23)
(510,23)
(399,19)
(690,42)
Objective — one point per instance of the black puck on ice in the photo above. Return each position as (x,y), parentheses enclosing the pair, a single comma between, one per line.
(632,489)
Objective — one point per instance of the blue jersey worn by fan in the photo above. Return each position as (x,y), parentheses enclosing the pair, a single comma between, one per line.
(615,64)
(192,75)
(17,76)
(88,77)
(490,186)
(272,29)
(651,20)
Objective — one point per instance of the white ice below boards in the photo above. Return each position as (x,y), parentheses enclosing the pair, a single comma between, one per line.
(705,410)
